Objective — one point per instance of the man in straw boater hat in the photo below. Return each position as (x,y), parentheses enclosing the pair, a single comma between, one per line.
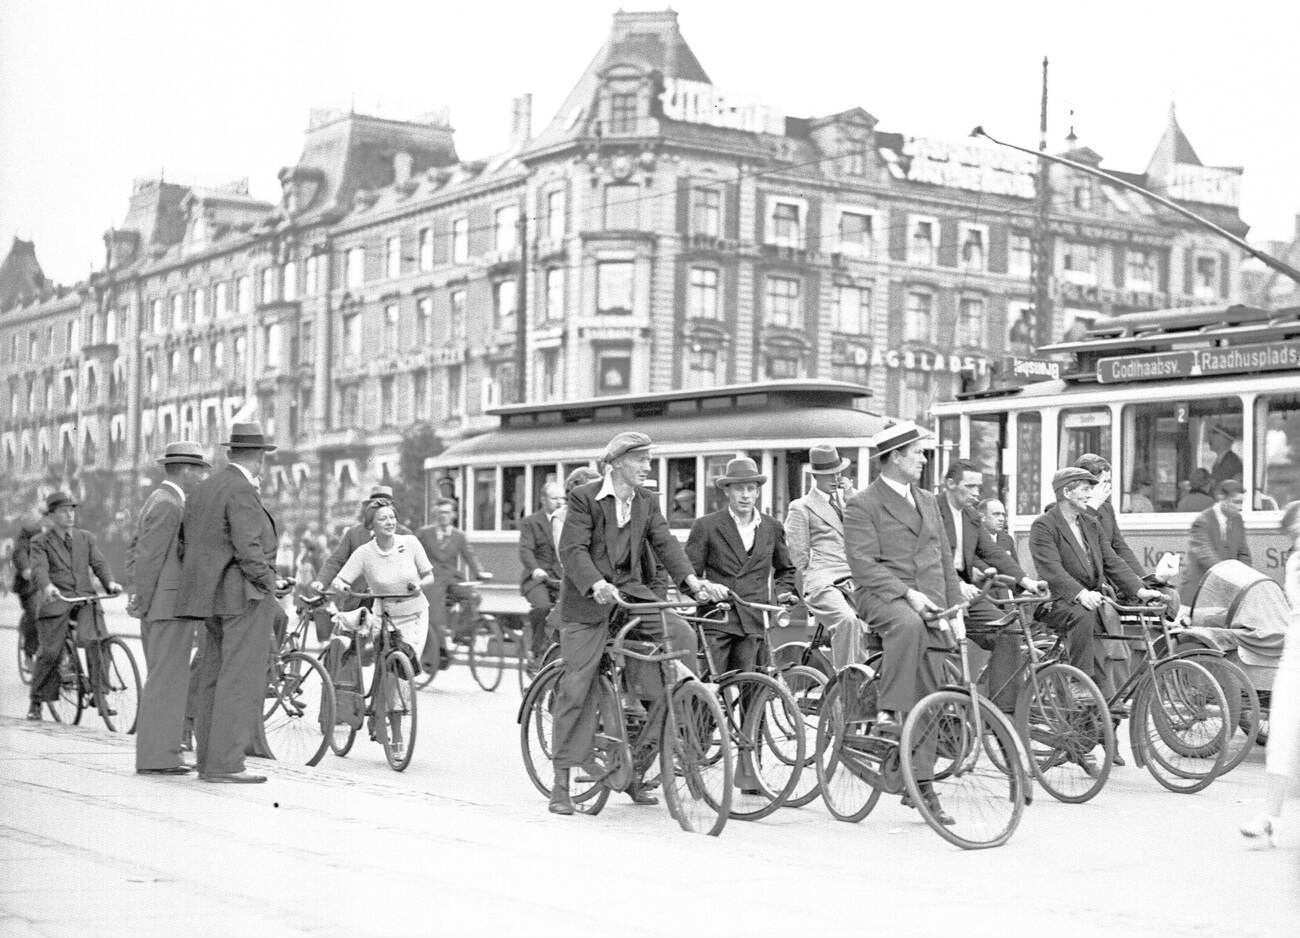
(814,532)
(227,544)
(607,526)
(902,562)
(153,570)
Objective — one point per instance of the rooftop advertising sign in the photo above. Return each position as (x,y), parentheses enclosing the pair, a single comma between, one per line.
(967,166)
(697,102)
(1200,363)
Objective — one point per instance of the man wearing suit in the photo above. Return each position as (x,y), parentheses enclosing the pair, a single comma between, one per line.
(1218,533)
(32,524)
(602,550)
(1072,554)
(814,534)
(62,559)
(993,518)
(446,547)
(1227,464)
(973,552)
(227,548)
(539,539)
(153,568)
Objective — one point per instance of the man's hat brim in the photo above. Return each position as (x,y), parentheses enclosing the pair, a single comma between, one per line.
(183,460)
(844,464)
(724,481)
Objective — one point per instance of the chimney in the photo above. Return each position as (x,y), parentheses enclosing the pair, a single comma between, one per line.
(521,120)
(401,167)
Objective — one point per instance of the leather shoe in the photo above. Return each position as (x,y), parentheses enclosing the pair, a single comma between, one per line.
(34,712)
(173,770)
(1119,760)
(561,803)
(640,795)
(232,778)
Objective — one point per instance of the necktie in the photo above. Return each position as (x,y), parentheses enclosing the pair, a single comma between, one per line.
(837,505)
(557,525)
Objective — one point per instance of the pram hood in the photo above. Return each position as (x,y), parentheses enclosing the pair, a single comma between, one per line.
(1235,596)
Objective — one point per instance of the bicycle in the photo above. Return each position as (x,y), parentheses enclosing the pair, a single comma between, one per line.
(109,681)
(954,738)
(486,643)
(298,715)
(389,705)
(685,726)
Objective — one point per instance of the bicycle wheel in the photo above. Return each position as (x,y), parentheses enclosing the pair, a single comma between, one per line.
(982,794)
(117,698)
(298,723)
(1180,726)
(487,650)
(536,735)
(1063,720)
(24,663)
(696,762)
(844,748)
(1244,709)
(808,688)
(395,709)
(792,654)
(73,693)
(768,740)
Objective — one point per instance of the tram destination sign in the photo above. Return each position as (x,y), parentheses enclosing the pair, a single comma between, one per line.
(1200,363)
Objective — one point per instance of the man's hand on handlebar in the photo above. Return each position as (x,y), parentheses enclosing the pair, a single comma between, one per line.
(51,591)
(1149,595)
(968,590)
(1089,599)
(1030,585)
(920,602)
(787,599)
(114,588)
(706,592)
(604,592)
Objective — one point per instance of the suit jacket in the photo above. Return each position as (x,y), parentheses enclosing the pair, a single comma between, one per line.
(69,570)
(352,538)
(537,548)
(814,534)
(585,541)
(22,556)
(1208,546)
(893,547)
(1007,543)
(979,549)
(1060,561)
(153,563)
(717,553)
(1110,532)
(227,546)
(446,557)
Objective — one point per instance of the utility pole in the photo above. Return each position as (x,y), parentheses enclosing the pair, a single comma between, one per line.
(521,312)
(1040,270)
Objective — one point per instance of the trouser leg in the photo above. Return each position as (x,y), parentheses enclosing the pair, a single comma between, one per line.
(905,673)
(434,649)
(468,601)
(1004,660)
(27,633)
(52,632)
(575,708)
(540,601)
(238,687)
(837,615)
(1081,644)
(161,722)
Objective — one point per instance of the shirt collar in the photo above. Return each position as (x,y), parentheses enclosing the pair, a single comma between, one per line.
(607,489)
(175,488)
(255,483)
(901,488)
(753,523)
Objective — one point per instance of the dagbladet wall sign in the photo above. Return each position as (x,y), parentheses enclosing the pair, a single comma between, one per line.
(1200,363)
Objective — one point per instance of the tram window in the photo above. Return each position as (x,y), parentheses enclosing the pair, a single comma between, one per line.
(485,500)
(987,432)
(542,474)
(715,467)
(514,497)
(681,492)
(1175,451)
(1277,450)
(1029,463)
(1083,431)
(949,444)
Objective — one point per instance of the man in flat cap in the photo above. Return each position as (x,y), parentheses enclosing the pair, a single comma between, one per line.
(1218,533)
(227,548)
(606,528)
(1072,554)
(153,569)
(63,558)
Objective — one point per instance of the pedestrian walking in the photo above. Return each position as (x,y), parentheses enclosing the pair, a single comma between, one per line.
(227,544)
(1218,533)
(153,569)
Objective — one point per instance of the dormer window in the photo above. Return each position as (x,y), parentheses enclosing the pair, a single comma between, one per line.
(623,113)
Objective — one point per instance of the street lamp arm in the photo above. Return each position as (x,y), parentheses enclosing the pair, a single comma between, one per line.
(1267,259)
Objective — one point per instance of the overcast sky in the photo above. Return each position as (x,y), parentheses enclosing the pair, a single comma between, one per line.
(95,94)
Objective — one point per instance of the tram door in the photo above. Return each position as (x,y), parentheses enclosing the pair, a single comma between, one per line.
(988,434)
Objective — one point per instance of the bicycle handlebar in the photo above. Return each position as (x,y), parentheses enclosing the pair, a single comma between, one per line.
(991,579)
(1142,609)
(655,606)
(85,599)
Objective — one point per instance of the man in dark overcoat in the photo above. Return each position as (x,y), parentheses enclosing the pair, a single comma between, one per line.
(539,539)
(448,550)
(228,542)
(153,570)
(1218,533)
(31,525)
(63,557)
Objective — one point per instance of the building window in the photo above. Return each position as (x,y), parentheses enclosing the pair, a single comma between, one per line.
(702,301)
(92,387)
(457,309)
(853,310)
(351,345)
(156,324)
(386,415)
(921,242)
(1141,269)
(150,377)
(1079,262)
(787,225)
(622,208)
(420,393)
(614,286)
(173,368)
(555,294)
(556,210)
(1083,197)
(306,350)
(177,318)
(622,113)
(973,245)
(970,322)
(392,321)
(1205,285)
(503,304)
(290,278)
(455,396)
(349,405)
(856,234)
(426,249)
(217,355)
(706,212)
(851,372)
(1020,255)
(855,163)
(220,299)
(311,275)
(918,319)
(782,366)
(702,368)
(268,291)
(505,229)
(550,370)
(354,267)
(239,357)
(424,320)
(196,359)
(613,371)
(915,401)
(460,240)
(783,307)
(244,291)
(393,257)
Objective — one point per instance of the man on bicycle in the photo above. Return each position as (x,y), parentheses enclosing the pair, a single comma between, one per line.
(63,558)
(606,528)
(539,539)
(32,524)
(447,548)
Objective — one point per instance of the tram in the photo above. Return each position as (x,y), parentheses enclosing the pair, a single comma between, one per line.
(1176,399)
(497,477)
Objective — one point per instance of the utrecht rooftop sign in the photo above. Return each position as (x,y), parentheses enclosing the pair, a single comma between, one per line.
(970,166)
(698,102)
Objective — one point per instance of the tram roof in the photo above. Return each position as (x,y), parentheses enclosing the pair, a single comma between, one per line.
(1161,329)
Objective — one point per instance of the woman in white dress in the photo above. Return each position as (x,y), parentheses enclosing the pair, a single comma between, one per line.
(1282,760)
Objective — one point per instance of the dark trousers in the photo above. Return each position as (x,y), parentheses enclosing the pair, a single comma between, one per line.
(541,598)
(731,652)
(1082,648)
(52,632)
(439,595)
(232,686)
(1004,659)
(161,723)
(575,711)
(908,670)
(27,634)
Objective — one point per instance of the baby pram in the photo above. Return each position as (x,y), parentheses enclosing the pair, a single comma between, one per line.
(1243,613)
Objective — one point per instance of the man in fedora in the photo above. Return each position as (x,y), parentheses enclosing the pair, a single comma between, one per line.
(153,568)
(814,532)
(62,559)
(227,547)
(353,538)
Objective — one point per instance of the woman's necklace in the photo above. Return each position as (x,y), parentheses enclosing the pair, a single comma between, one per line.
(382,550)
